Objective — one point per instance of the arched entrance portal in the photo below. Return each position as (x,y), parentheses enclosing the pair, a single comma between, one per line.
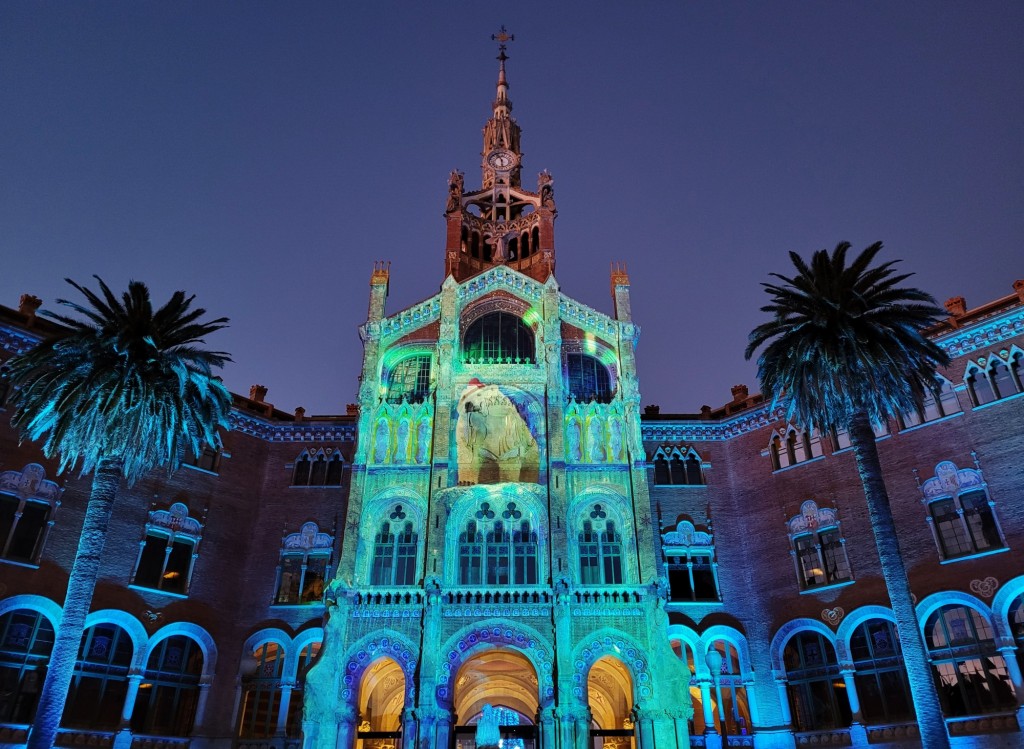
(381,700)
(505,679)
(610,697)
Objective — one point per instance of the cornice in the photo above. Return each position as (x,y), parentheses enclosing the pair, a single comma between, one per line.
(992,331)
(299,431)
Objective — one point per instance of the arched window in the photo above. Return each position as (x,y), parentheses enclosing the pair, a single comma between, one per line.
(499,338)
(600,548)
(682,467)
(498,549)
(394,551)
(817,694)
(969,671)
(26,638)
(409,380)
(1017,627)
(100,681)
(305,566)
(933,408)
(587,379)
(794,447)
(961,513)
(979,386)
(261,693)
(880,677)
(818,547)
(324,468)
(169,693)
(307,656)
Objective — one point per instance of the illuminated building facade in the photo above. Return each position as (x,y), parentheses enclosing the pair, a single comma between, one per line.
(512,528)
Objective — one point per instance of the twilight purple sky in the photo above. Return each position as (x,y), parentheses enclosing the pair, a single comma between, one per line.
(261,155)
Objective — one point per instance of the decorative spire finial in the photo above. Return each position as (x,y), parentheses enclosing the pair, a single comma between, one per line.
(502,38)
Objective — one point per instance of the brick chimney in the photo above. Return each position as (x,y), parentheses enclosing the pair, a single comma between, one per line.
(258,393)
(1018,286)
(740,393)
(652,410)
(28,304)
(957,306)
(351,409)
(300,413)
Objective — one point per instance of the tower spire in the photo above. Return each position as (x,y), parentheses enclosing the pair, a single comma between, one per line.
(501,101)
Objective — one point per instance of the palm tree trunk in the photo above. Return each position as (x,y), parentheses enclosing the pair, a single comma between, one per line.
(915,658)
(81,584)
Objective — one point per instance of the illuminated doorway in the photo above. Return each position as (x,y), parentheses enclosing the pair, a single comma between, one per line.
(506,680)
(610,697)
(381,701)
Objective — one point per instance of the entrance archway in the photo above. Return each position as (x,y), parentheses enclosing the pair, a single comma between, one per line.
(381,701)
(610,698)
(505,679)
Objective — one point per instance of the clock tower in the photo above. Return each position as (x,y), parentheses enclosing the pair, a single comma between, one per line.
(501,223)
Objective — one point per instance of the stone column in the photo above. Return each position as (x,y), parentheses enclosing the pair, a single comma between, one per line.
(442,730)
(1009,653)
(346,731)
(858,734)
(204,696)
(409,728)
(547,736)
(707,706)
(282,711)
(123,737)
(780,683)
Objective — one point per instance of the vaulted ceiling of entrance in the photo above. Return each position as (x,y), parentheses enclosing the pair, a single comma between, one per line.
(499,677)
(382,695)
(610,692)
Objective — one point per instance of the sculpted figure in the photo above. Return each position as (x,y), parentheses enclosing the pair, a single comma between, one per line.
(402,442)
(381,442)
(455,186)
(572,439)
(488,734)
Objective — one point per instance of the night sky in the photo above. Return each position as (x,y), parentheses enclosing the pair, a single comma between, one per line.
(263,155)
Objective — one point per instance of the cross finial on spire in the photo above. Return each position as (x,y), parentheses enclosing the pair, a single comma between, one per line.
(502,38)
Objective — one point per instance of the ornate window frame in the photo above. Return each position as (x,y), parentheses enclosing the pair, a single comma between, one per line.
(170,527)
(690,548)
(995,377)
(815,535)
(975,523)
(30,490)
(793,447)
(308,544)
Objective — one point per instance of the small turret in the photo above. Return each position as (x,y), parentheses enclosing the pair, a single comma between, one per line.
(379,284)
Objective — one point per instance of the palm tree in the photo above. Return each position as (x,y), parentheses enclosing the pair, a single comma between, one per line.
(118,392)
(845,350)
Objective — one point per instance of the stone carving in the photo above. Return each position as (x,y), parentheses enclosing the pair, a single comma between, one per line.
(402,441)
(455,187)
(30,483)
(176,519)
(811,518)
(572,441)
(949,480)
(595,441)
(423,443)
(833,616)
(615,441)
(381,442)
(686,535)
(308,537)
(985,588)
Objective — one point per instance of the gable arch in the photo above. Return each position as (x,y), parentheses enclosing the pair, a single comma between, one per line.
(193,631)
(496,633)
(618,645)
(730,635)
(1001,606)
(786,633)
(264,636)
(930,604)
(51,610)
(132,626)
(384,643)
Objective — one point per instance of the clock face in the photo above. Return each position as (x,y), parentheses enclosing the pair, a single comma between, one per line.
(501,160)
